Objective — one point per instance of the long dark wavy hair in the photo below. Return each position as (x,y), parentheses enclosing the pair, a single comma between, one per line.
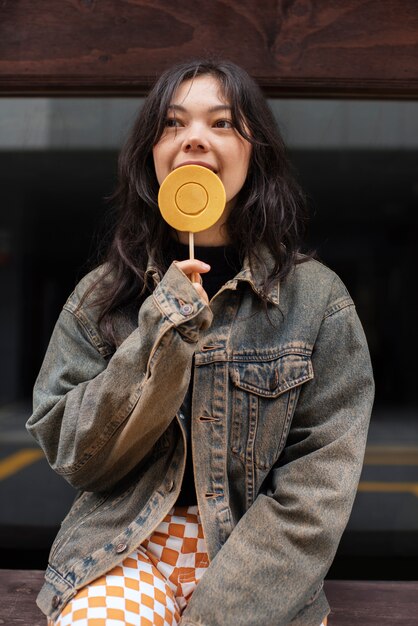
(270,207)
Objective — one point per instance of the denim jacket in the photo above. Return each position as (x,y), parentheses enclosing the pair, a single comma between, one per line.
(280,411)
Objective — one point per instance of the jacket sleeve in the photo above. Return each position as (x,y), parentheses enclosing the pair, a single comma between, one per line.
(274,562)
(97,419)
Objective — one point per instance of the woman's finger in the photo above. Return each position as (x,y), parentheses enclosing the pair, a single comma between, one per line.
(193,266)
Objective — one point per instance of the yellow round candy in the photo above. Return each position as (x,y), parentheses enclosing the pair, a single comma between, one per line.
(191,198)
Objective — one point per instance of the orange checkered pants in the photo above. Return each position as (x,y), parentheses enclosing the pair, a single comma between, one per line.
(153,585)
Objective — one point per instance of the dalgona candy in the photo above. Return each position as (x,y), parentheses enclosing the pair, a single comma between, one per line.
(191,198)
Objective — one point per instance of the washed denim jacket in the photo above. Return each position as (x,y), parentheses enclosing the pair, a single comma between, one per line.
(280,410)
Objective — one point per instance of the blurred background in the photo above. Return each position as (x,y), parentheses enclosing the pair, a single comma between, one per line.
(358,163)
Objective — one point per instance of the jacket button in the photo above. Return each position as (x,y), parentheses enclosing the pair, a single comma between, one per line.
(56,602)
(121,547)
(170,485)
(186,309)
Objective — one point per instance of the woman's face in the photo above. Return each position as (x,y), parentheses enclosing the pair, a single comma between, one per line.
(199,130)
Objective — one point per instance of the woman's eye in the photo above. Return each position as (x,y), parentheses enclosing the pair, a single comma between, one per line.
(172,122)
(223,124)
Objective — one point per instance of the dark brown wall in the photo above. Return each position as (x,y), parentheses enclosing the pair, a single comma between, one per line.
(307,47)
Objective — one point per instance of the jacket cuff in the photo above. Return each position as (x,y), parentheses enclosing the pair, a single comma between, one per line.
(180,303)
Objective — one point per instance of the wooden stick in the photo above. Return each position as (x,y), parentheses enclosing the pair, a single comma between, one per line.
(194,277)
(191,245)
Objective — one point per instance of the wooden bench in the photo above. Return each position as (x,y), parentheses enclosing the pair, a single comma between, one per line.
(353,603)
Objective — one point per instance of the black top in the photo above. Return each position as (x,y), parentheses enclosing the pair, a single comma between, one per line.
(225,264)
(223,260)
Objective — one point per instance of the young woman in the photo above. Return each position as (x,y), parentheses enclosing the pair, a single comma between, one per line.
(215,428)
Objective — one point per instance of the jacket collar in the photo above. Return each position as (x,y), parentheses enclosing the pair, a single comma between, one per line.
(254,277)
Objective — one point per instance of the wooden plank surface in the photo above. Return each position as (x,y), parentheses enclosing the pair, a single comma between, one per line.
(18,591)
(352,602)
(369,603)
(293,47)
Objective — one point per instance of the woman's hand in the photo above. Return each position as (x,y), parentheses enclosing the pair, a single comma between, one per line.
(193,269)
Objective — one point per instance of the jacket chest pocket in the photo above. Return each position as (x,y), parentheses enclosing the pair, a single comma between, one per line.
(264,396)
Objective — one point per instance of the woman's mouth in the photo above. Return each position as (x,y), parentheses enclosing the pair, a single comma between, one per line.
(201,163)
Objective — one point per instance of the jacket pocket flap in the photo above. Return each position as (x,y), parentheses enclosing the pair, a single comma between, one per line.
(274,377)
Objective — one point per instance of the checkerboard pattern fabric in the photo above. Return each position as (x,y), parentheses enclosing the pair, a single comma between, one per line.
(153,585)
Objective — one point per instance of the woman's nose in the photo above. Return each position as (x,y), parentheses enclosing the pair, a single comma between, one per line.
(195,139)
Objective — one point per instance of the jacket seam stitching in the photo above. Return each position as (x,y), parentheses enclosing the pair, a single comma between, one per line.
(109,432)
(118,420)
(91,334)
(170,317)
(336,308)
(58,575)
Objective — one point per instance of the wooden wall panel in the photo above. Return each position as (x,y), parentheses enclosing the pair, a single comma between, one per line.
(293,47)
